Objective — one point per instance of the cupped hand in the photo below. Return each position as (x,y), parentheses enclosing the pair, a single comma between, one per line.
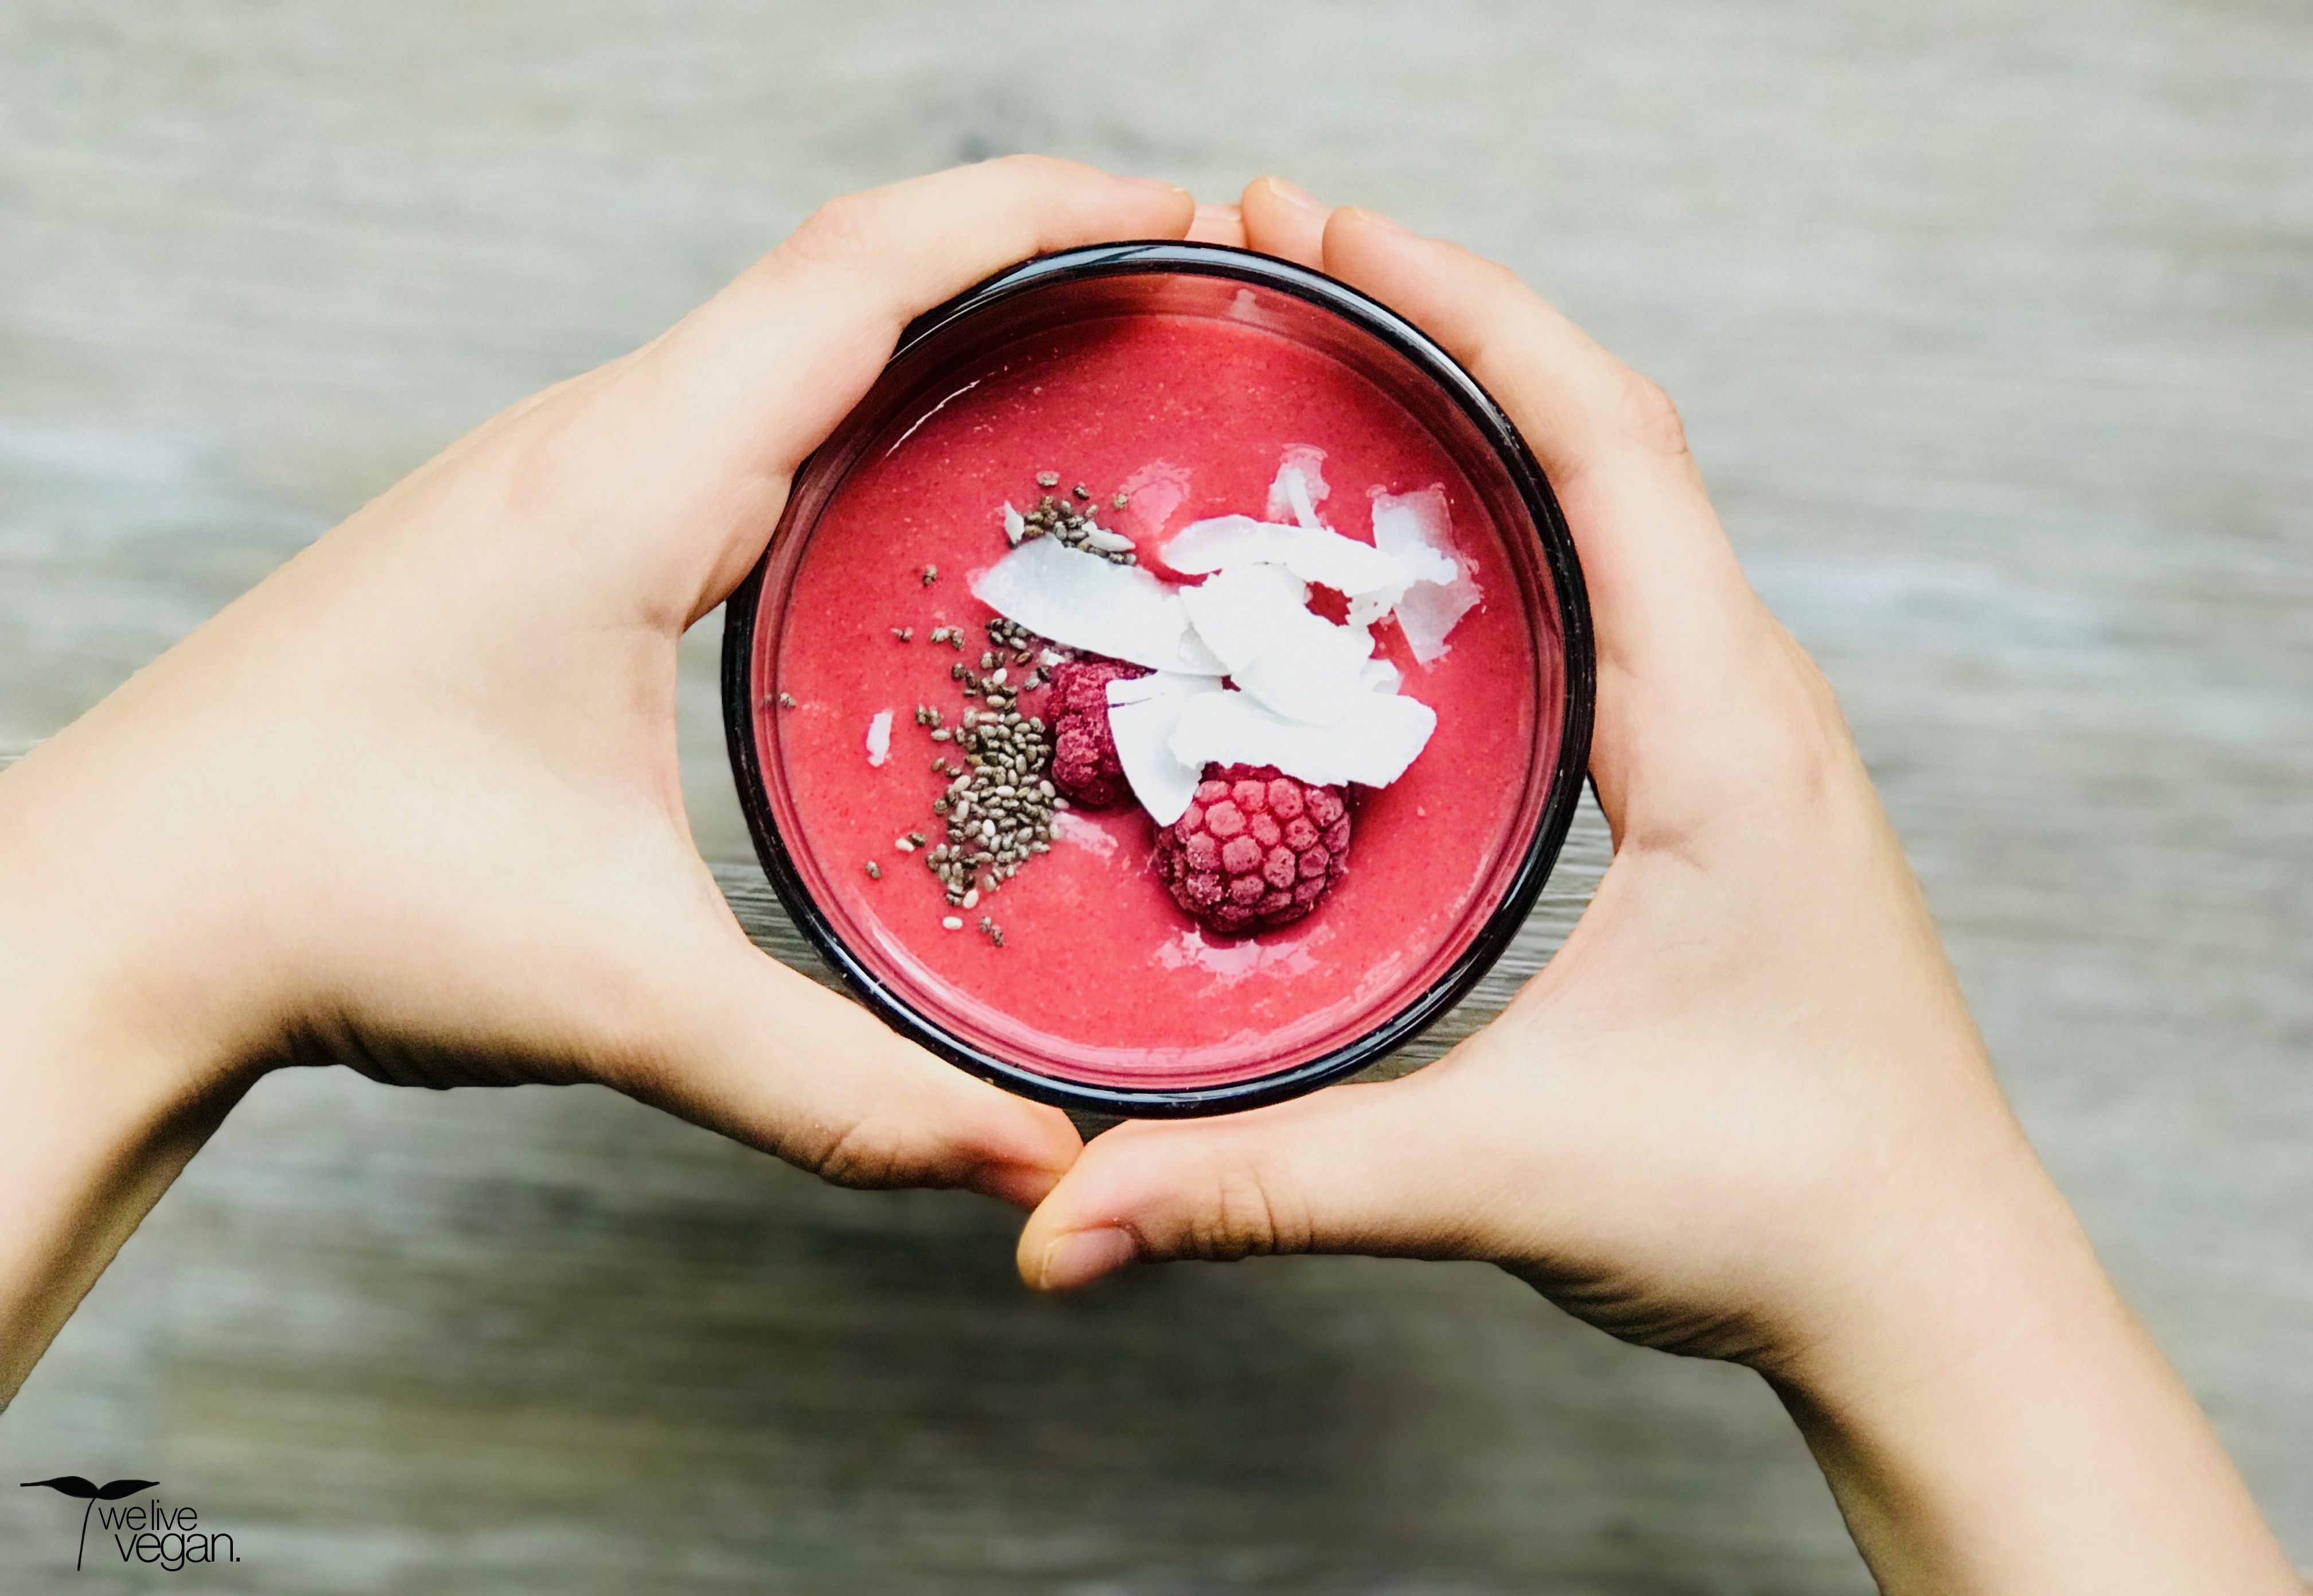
(1746,1086)
(1744,1111)
(412,804)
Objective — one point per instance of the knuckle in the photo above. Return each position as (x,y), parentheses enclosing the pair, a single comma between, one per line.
(1249,1218)
(872,1152)
(844,229)
(1805,751)
(1650,416)
(1028,164)
(1504,279)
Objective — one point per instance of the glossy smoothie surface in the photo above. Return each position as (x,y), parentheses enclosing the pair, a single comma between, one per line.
(1103,978)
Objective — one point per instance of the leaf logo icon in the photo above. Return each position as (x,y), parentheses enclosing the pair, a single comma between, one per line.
(73,1485)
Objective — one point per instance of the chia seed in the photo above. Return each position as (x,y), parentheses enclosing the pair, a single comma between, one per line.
(1056,518)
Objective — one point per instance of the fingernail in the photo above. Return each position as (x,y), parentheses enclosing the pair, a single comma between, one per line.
(1158,183)
(1083,1256)
(1294,195)
(1376,219)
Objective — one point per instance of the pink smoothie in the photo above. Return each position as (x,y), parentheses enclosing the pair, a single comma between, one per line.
(1102,977)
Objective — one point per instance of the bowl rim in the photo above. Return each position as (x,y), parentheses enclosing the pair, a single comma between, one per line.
(1579,692)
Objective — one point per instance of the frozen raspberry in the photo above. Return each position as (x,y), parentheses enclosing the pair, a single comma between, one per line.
(1083,750)
(1255,849)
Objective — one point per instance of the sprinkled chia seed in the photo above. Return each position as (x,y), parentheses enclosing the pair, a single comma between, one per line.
(1117,503)
(1072,528)
(786,700)
(931,575)
(951,924)
(1048,478)
(874,871)
(999,807)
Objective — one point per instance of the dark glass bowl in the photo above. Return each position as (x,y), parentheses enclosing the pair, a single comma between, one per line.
(1307,307)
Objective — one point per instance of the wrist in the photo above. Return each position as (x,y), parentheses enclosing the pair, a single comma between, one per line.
(111,1074)
(1998,1420)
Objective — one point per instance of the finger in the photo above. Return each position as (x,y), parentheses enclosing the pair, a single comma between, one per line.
(751,1049)
(1284,220)
(779,355)
(681,454)
(1373,1168)
(1218,224)
(1584,410)
(1694,678)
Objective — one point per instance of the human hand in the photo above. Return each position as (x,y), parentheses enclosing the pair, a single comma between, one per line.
(412,804)
(1744,1113)
(1754,1012)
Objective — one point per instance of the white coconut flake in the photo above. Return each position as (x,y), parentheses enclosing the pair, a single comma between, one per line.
(1310,553)
(1380,676)
(1313,672)
(1307,461)
(1428,613)
(1297,494)
(1086,602)
(879,737)
(1238,611)
(1373,744)
(1016,525)
(1142,716)
(1256,618)
(1417,529)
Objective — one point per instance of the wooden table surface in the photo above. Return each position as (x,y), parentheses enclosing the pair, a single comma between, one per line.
(1993,327)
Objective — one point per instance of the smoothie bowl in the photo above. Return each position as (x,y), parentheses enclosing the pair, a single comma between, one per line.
(1168,689)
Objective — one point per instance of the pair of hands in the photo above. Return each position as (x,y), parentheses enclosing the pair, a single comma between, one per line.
(412,804)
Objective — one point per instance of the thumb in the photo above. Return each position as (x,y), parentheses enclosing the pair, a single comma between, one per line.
(767,1056)
(1375,1168)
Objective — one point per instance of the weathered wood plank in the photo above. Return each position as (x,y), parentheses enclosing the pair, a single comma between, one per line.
(1989,325)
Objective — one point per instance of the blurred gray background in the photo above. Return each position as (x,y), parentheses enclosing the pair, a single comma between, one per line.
(1994,326)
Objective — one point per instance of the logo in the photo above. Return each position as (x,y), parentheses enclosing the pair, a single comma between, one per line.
(147,1533)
